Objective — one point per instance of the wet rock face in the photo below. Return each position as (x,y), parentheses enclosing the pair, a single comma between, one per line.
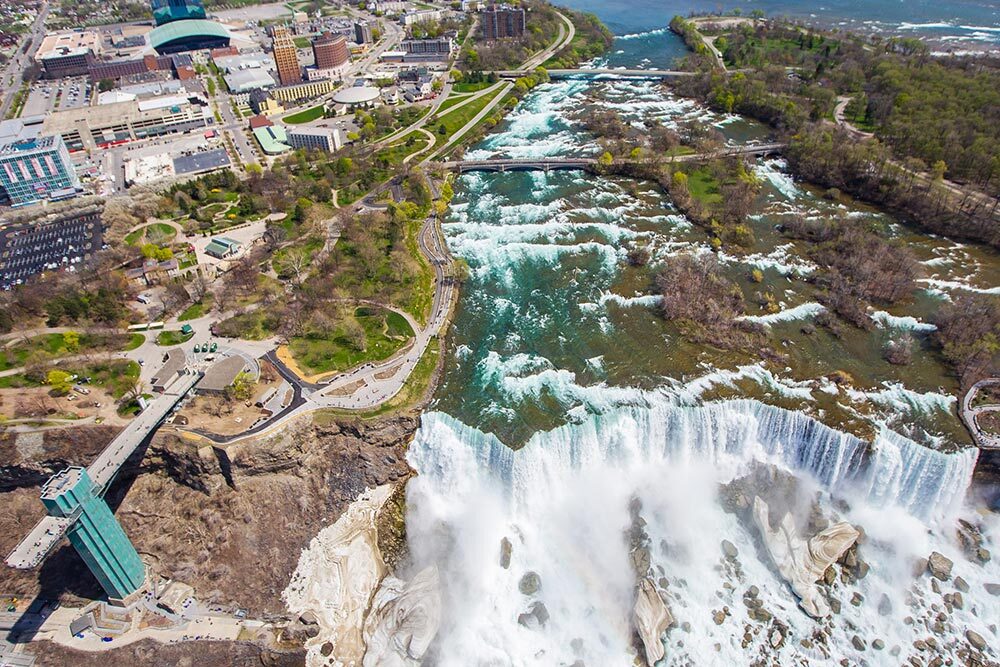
(505,551)
(803,562)
(403,620)
(975,639)
(536,616)
(939,566)
(530,583)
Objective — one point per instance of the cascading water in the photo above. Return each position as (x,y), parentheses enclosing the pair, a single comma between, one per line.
(557,347)
(562,501)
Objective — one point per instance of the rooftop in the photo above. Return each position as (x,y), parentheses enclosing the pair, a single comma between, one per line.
(272,139)
(203,161)
(222,374)
(175,363)
(188,28)
(27,145)
(65,43)
(356,95)
(61,482)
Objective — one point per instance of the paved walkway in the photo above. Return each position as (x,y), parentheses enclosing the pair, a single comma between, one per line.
(970,415)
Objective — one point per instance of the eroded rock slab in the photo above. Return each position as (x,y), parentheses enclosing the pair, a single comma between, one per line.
(652,618)
(403,621)
(802,562)
(337,577)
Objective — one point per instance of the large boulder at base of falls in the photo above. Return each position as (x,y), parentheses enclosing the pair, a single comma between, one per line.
(652,618)
(403,621)
(803,562)
(939,566)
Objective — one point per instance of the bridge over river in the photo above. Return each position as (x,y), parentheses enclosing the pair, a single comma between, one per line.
(577,163)
(601,73)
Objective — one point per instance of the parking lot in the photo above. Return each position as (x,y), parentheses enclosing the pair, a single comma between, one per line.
(28,250)
(48,96)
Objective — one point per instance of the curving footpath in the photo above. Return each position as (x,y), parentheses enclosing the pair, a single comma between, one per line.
(970,415)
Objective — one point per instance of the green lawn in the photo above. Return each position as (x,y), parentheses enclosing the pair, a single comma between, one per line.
(413,390)
(302,42)
(159,233)
(452,101)
(306,116)
(453,121)
(194,311)
(465,87)
(115,375)
(421,297)
(136,340)
(386,332)
(168,338)
(398,151)
(704,187)
(53,346)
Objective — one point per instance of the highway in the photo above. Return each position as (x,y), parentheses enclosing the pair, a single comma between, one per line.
(11,76)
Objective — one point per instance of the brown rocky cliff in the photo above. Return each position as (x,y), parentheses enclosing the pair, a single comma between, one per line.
(231,522)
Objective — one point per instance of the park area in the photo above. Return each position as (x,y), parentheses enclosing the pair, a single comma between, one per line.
(371,335)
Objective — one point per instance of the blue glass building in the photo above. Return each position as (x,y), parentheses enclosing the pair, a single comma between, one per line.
(95,534)
(32,170)
(165,11)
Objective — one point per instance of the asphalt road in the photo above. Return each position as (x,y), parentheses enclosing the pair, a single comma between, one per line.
(11,77)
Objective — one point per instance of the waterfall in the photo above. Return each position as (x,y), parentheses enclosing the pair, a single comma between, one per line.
(891,471)
(561,504)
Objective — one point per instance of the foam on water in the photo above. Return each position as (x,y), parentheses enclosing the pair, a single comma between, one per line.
(904,323)
(799,312)
(562,503)
(773,171)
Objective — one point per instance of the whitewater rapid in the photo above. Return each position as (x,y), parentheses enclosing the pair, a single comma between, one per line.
(562,500)
(553,349)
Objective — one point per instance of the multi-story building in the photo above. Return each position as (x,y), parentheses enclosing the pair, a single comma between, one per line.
(420,16)
(165,11)
(363,32)
(330,51)
(387,7)
(68,54)
(109,124)
(262,103)
(286,58)
(428,49)
(315,138)
(36,169)
(95,533)
(301,91)
(502,22)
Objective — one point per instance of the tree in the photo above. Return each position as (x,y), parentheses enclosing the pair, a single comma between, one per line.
(938,170)
(134,388)
(104,85)
(71,341)
(606,159)
(59,381)
(242,387)
(355,335)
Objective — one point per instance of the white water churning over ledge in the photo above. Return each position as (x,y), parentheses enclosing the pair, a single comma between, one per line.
(562,503)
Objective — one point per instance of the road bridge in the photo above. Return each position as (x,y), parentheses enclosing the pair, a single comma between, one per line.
(577,163)
(44,536)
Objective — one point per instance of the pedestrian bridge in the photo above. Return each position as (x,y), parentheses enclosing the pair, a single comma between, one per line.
(33,548)
(602,73)
(503,165)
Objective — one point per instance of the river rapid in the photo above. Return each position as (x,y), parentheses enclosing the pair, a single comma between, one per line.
(566,398)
